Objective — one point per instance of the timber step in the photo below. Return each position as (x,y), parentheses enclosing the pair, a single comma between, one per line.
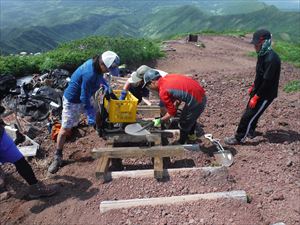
(156,152)
(128,203)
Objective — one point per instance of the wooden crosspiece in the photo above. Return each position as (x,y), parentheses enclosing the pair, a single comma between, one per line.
(156,152)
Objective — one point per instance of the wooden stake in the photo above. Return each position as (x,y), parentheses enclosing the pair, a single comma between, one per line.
(158,167)
(166,172)
(118,204)
(102,167)
(135,152)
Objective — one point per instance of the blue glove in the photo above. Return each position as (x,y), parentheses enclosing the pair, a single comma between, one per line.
(123,95)
(107,90)
(91,116)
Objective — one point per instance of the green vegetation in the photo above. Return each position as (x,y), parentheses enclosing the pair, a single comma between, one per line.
(288,52)
(292,86)
(71,55)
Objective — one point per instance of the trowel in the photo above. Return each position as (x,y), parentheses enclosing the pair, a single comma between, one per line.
(223,157)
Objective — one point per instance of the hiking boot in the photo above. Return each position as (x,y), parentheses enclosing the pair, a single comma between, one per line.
(2,179)
(56,164)
(251,134)
(231,140)
(39,190)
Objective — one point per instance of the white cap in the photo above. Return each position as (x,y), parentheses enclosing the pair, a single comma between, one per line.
(111,60)
(138,75)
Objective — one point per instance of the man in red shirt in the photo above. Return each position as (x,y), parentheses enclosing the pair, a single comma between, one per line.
(174,89)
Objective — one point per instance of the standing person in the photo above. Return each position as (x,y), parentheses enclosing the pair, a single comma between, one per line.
(173,89)
(264,89)
(9,153)
(135,82)
(85,81)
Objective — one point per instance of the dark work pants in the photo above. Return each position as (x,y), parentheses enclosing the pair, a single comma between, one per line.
(25,170)
(250,118)
(188,119)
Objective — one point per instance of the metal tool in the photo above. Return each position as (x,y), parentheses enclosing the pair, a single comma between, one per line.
(224,157)
(148,125)
(137,130)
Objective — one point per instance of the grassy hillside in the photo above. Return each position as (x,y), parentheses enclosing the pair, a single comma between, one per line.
(191,19)
(70,55)
(152,19)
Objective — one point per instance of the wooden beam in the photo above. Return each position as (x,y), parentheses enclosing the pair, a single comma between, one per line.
(126,139)
(158,167)
(146,101)
(146,107)
(118,204)
(102,167)
(166,172)
(134,152)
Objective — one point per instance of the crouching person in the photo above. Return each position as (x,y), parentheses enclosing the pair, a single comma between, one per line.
(174,89)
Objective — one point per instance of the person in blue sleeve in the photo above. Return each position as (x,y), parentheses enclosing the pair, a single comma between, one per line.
(85,81)
(9,153)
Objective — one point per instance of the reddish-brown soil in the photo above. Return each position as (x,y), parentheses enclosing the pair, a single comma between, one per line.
(267,167)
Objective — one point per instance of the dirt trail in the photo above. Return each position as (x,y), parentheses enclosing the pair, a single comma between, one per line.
(267,167)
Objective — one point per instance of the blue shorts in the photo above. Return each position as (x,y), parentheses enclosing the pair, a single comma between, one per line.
(8,150)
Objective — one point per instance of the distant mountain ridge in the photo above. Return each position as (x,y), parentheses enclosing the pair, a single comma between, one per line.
(160,21)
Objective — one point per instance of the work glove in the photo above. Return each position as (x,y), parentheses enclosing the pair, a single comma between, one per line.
(123,95)
(253,101)
(91,116)
(250,89)
(157,122)
(107,90)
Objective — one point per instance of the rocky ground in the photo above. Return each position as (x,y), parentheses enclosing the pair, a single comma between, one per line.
(266,167)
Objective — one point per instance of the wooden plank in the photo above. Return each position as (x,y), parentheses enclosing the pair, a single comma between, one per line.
(146,107)
(166,172)
(134,152)
(158,167)
(102,167)
(126,139)
(118,204)
(146,101)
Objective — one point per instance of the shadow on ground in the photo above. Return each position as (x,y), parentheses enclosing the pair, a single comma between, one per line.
(70,187)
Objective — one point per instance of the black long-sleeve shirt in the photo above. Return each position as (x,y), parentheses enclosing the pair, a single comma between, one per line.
(267,76)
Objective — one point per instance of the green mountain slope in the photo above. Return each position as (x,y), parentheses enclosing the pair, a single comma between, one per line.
(156,22)
(190,19)
(166,22)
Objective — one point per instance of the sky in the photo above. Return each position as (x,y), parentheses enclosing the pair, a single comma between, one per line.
(286,4)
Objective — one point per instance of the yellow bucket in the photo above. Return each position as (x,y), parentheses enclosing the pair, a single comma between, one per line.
(121,111)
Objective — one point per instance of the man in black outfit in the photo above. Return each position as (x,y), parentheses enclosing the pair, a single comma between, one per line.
(264,89)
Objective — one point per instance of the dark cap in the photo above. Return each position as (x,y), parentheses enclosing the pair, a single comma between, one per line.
(260,35)
(150,75)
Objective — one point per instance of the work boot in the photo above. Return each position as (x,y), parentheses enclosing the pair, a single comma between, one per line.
(41,190)
(231,140)
(2,179)
(251,134)
(56,164)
